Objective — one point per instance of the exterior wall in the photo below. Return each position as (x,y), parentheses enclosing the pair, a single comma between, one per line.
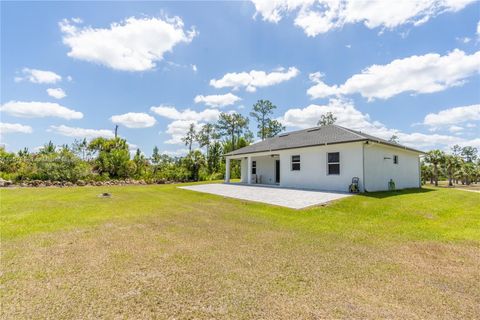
(265,169)
(379,167)
(313,167)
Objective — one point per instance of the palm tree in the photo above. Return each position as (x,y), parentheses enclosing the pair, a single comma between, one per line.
(427,173)
(435,157)
(452,163)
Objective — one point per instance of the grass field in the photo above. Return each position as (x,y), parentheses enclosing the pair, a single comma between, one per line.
(162,252)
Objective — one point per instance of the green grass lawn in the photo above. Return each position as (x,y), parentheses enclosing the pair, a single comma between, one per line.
(163,252)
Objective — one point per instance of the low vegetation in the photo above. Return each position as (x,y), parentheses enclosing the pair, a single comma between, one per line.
(162,252)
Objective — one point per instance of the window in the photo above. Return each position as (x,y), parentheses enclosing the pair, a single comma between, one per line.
(333,162)
(254,167)
(295,163)
(395,159)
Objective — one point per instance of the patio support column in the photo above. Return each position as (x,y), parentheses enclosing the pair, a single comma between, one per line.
(227,170)
(249,170)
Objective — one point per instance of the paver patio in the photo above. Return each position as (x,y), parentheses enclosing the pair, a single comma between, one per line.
(285,197)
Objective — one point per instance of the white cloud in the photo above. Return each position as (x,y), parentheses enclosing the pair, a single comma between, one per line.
(350,117)
(38,76)
(473,143)
(464,40)
(321,16)
(14,128)
(177,130)
(453,116)
(254,79)
(217,100)
(172,113)
(57,93)
(455,129)
(428,141)
(478,28)
(347,116)
(81,132)
(36,109)
(182,120)
(134,120)
(131,45)
(194,68)
(417,74)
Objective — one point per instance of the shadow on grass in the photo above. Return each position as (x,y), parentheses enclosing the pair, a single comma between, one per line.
(387,194)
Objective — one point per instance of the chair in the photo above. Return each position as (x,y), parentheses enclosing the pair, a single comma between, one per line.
(353,188)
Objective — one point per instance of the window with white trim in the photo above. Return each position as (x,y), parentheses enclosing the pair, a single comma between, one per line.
(395,159)
(254,167)
(296,163)
(333,163)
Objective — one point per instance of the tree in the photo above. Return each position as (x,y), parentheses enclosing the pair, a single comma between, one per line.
(468,171)
(232,125)
(24,153)
(141,164)
(274,127)
(190,137)
(113,157)
(327,119)
(241,128)
(394,139)
(205,138)
(215,157)
(435,157)
(426,173)
(452,164)
(193,161)
(261,113)
(155,156)
(48,148)
(80,148)
(456,150)
(469,153)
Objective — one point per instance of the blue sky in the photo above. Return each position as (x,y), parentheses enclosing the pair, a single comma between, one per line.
(409,70)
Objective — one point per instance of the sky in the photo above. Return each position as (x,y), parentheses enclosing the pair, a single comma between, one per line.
(72,70)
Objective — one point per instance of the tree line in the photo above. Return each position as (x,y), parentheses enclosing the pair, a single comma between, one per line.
(460,165)
(105,159)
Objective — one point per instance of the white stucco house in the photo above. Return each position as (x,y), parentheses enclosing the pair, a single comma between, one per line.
(327,158)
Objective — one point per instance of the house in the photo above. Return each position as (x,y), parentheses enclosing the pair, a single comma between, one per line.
(327,158)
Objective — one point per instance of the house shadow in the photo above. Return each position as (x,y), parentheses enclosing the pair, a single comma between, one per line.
(387,194)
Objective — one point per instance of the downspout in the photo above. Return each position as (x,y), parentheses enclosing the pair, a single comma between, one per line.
(419,173)
(363,165)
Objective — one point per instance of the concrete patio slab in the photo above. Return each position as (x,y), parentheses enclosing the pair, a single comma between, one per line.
(290,198)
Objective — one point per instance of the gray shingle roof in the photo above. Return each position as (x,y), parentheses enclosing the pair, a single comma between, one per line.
(330,134)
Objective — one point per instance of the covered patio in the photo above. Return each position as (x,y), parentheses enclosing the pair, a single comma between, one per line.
(262,169)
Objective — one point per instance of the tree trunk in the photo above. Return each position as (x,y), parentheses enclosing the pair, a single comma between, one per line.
(435,170)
